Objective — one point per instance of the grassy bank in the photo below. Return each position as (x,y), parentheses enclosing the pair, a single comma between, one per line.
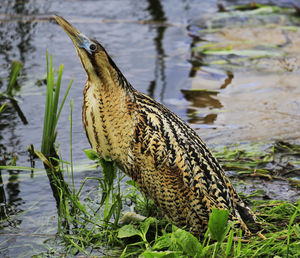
(93,226)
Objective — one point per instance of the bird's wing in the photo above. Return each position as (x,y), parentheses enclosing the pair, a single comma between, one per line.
(170,141)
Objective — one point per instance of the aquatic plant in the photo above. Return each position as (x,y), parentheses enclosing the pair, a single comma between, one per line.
(12,80)
(88,221)
(52,112)
(2,107)
(15,71)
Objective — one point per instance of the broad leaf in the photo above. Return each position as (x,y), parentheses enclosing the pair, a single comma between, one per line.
(91,154)
(189,243)
(217,224)
(128,231)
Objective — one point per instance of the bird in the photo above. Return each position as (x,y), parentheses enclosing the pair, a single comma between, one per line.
(152,145)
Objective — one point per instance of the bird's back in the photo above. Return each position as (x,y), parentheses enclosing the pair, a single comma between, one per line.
(178,171)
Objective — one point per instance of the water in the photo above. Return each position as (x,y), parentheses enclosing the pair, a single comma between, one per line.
(151,42)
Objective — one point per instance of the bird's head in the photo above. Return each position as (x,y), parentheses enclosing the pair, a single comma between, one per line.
(94,58)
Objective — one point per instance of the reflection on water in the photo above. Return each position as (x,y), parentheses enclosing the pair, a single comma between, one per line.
(15,43)
(228,80)
(201,99)
(10,200)
(16,35)
(155,9)
(3,204)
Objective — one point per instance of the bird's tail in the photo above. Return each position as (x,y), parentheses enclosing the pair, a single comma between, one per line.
(249,218)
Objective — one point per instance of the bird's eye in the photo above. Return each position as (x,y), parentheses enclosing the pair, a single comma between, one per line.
(93,47)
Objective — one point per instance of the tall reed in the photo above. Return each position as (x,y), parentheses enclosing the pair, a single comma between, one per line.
(52,112)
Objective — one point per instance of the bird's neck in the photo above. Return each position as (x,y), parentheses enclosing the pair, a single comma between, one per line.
(108,116)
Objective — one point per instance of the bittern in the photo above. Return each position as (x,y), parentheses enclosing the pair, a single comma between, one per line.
(152,145)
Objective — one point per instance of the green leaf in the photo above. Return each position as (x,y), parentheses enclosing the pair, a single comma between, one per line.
(2,107)
(144,226)
(218,224)
(163,242)
(297,230)
(128,231)
(15,70)
(132,183)
(20,168)
(229,244)
(109,169)
(154,254)
(189,243)
(91,154)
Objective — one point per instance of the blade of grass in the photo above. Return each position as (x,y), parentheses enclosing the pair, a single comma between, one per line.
(57,91)
(15,70)
(22,168)
(289,228)
(63,101)
(71,147)
(229,243)
(2,107)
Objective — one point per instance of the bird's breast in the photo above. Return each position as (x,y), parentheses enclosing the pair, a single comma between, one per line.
(109,121)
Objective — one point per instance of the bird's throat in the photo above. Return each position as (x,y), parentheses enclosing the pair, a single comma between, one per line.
(109,124)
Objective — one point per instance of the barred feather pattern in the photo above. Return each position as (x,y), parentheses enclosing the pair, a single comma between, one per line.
(162,154)
(151,144)
(182,176)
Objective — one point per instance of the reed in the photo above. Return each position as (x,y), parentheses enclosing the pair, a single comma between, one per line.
(14,73)
(52,112)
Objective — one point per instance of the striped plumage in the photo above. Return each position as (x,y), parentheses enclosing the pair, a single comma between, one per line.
(152,145)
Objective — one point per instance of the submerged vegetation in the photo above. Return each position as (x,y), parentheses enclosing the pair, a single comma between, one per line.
(253,35)
(12,80)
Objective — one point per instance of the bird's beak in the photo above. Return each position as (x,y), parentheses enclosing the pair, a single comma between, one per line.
(79,40)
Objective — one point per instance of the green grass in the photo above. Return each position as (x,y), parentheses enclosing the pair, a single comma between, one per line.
(12,80)
(2,107)
(15,71)
(88,221)
(52,112)
(94,222)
